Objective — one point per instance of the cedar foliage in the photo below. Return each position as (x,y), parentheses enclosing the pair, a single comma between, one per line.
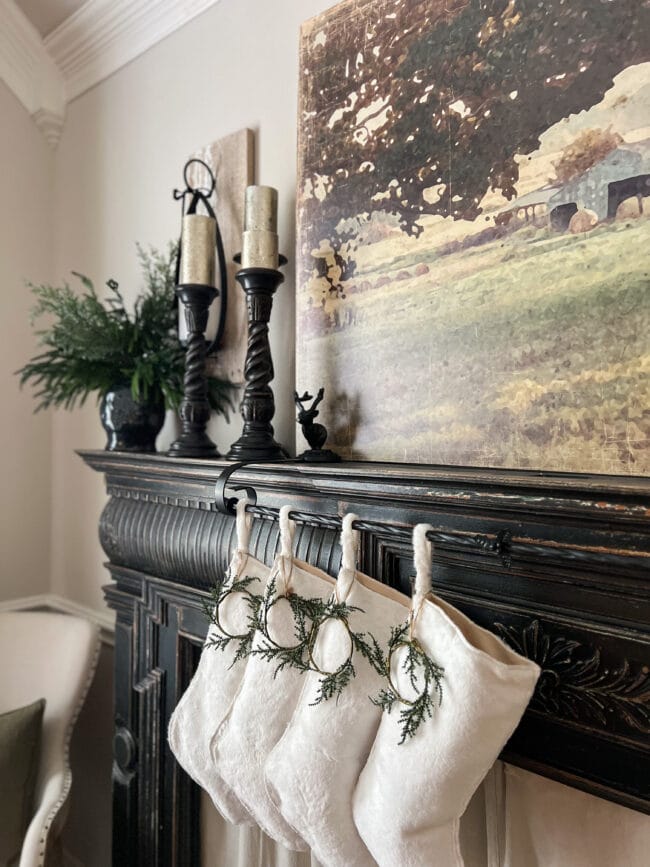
(92,345)
(220,639)
(309,615)
(425,677)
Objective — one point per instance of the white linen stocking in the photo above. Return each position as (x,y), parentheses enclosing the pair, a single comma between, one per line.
(207,699)
(312,772)
(410,796)
(265,701)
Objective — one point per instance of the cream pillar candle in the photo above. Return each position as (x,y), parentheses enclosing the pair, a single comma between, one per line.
(260,241)
(198,245)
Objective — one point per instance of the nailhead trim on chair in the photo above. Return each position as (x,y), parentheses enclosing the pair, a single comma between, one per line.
(67,780)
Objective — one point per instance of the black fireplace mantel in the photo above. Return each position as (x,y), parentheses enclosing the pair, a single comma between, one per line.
(569,588)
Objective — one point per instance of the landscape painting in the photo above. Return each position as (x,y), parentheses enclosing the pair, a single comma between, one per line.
(473,280)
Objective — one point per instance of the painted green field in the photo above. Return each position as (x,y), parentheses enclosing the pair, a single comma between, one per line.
(532,351)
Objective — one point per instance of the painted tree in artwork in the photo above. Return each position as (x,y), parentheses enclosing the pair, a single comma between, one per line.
(417,107)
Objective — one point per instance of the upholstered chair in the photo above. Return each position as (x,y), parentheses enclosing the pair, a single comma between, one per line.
(50,656)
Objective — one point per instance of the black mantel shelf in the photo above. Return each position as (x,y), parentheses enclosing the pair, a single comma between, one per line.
(573,595)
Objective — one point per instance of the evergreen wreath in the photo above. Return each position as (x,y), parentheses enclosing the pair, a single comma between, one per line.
(304,611)
(417,662)
(218,595)
(332,683)
(309,616)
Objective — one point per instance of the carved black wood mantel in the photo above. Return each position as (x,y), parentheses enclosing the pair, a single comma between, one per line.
(573,595)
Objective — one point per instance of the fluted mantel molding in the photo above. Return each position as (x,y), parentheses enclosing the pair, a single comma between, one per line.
(482,500)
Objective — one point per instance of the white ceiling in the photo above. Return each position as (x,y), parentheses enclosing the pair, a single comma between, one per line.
(46,15)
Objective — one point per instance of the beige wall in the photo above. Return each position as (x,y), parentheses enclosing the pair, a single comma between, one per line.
(25,253)
(122,153)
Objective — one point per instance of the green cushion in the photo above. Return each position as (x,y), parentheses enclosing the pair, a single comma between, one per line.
(20,743)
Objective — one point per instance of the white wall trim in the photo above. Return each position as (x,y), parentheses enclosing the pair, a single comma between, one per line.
(29,71)
(105,620)
(50,124)
(104,35)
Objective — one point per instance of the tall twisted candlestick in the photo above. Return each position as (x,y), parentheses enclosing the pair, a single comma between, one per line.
(195,409)
(257,442)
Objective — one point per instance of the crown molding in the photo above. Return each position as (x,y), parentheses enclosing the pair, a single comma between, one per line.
(29,71)
(50,124)
(93,43)
(104,35)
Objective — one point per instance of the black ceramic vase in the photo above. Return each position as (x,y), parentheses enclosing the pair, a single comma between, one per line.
(130,425)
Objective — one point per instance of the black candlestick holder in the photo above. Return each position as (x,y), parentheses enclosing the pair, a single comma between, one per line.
(257,442)
(195,408)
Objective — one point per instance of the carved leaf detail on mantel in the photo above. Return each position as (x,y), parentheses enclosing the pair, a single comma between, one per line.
(576,684)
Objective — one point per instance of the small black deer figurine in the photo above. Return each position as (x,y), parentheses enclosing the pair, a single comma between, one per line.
(314,433)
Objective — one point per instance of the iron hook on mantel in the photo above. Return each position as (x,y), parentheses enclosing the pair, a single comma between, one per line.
(226,505)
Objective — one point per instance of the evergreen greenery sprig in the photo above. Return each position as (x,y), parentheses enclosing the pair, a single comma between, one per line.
(309,614)
(223,639)
(303,611)
(90,345)
(332,683)
(425,677)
